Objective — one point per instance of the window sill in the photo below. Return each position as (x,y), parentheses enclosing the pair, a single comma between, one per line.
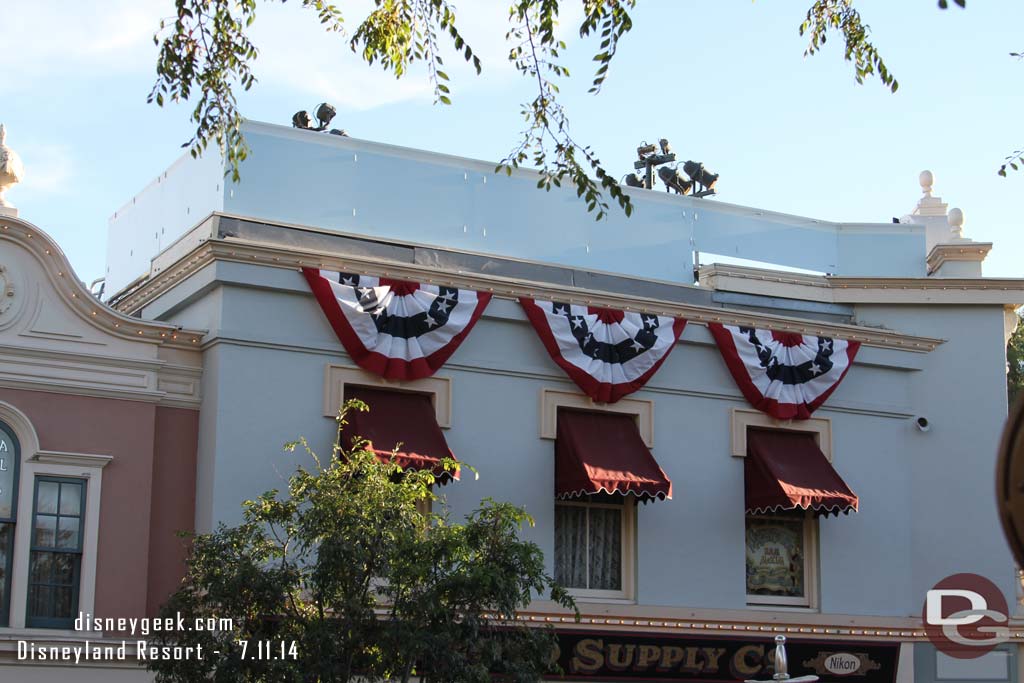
(597,599)
(8,633)
(768,607)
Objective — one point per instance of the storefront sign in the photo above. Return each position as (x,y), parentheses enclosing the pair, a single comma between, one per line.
(585,655)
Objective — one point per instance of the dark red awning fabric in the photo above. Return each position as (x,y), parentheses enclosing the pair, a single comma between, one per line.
(787,470)
(399,417)
(604,453)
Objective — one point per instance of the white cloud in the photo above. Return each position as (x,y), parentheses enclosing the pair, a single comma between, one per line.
(296,53)
(41,38)
(49,169)
(78,40)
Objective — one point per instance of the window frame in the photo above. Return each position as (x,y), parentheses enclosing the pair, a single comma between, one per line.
(642,411)
(741,420)
(76,582)
(809,601)
(338,377)
(628,538)
(36,461)
(12,521)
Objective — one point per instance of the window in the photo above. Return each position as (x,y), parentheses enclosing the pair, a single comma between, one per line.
(55,561)
(780,559)
(593,545)
(10,453)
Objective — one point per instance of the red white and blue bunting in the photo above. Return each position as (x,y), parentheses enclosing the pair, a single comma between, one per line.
(393,328)
(607,353)
(784,374)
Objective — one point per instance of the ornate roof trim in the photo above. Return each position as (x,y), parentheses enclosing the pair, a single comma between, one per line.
(75,295)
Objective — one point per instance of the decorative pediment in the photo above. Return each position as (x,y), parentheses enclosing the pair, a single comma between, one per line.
(55,334)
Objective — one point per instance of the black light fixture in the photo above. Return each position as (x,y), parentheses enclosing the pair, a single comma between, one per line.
(645,151)
(650,156)
(674,180)
(325,113)
(701,176)
(647,159)
(633,180)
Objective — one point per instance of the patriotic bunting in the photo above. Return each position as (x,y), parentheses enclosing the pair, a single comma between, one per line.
(393,328)
(607,353)
(784,374)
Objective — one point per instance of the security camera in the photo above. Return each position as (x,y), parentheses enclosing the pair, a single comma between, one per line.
(922,423)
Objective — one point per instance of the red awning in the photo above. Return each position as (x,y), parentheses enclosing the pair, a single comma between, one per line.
(399,417)
(604,453)
(787,470)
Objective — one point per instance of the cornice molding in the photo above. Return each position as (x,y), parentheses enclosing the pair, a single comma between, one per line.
(957,251)
(74,294)
(241,251)
(79,374)
(854,290)
(90,460)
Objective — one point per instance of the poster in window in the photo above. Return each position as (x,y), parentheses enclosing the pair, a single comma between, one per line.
(775,556)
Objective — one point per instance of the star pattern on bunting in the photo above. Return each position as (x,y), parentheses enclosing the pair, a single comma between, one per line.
(784,374)
(608,354)
(394,328)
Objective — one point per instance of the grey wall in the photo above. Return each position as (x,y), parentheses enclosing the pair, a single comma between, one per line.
(926,499)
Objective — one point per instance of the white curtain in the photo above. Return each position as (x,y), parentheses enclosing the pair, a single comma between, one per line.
(571,546)
(588,536)
(605,548)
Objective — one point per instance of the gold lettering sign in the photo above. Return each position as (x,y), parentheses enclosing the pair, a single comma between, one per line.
(640,657)
(747,660)
(591,655)
(588,656)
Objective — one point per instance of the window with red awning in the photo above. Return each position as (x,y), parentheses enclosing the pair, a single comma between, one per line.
(786,470)
(603,452)
(399,418)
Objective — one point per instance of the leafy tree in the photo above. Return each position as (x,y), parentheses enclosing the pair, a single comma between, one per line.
(366,585)
(205,50)
(1015,362)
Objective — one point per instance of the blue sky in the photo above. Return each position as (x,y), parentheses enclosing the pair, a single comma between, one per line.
(726,82)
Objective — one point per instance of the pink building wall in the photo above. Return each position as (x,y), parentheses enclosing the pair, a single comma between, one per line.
(148,491)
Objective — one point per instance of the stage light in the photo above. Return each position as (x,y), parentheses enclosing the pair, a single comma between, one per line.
(645,150)
(324,114)
(633,180)
(674,180)
(700,175)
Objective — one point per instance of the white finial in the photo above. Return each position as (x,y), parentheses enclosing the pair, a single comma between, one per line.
(956,218)
(11,172)
(956,223)
(927,180)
